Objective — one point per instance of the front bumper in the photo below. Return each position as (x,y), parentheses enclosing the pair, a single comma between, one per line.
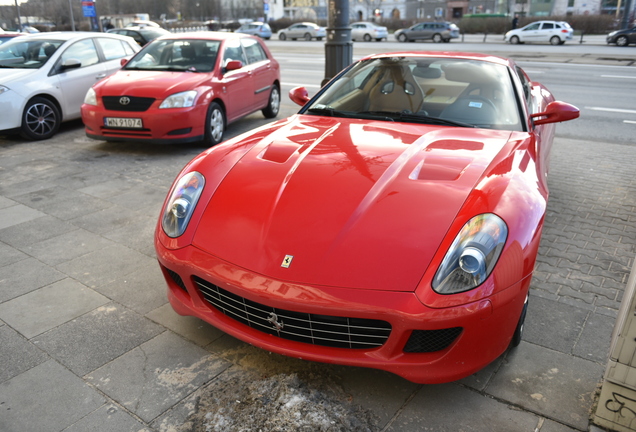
(160,126)
(486,326)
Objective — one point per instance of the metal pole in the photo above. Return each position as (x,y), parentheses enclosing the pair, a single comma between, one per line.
(70,6)
(338,47)
(628,9)
(17,8)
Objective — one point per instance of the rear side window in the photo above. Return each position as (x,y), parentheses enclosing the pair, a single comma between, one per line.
(548,26)
(253,51)
(112,48)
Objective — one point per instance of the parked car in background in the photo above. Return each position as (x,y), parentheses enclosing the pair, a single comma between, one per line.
(303,30)
(383,226)
(262,30)
(435,31)
(7,36)
(554,32)
(143,23)
(141,35)
(184,88)
(44,77)
(619,37)
(368,31)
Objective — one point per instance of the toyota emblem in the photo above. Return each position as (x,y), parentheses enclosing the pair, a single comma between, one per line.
(124,100)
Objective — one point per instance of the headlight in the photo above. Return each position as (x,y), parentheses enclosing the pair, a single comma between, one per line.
(182,203)
(91,97)
(472,256)
(179,100)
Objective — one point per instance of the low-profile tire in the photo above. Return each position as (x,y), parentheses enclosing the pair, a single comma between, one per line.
(273,106)
(367,37)
(518,334)
(514,40)
(402,37)
(555,40)
(622,41)
(282,37)
(437,38)
(214,124)
(307,37)
(40,120)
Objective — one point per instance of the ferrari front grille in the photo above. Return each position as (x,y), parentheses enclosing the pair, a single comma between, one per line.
(127,103)
(423,341)
(323,330)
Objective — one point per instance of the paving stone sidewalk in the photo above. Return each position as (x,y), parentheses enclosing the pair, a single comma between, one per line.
(88,342)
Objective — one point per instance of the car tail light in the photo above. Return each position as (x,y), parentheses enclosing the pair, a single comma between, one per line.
(564,31)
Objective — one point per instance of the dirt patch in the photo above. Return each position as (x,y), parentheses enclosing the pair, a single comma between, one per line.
(245,402)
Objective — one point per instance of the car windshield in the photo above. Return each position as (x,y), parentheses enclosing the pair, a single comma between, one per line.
(180,55)
(26,53)
(440,91)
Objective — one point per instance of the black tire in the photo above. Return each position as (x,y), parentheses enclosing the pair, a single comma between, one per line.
(555,40)
(214,124)
(622,41)
(282,37)
(446,40)
(367,38)
(318,38)
(378,39)
(402,37)
(40,120)
(437,38)
(273,106)
(516,337)
(514,40)
(307,37)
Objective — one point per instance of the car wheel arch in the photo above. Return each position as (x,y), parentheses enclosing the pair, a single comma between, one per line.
(29,103)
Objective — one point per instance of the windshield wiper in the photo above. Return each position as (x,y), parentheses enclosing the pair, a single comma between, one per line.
(419,118)
(326,111)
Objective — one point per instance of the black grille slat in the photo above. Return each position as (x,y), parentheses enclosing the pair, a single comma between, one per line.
(135,104)
(423,341)
(323,330)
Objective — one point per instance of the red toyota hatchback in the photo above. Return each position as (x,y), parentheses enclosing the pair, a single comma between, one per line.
(184,88)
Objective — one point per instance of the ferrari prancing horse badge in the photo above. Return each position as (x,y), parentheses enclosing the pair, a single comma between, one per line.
(287,261)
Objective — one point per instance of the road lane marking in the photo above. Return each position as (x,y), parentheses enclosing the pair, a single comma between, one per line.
(616,110)
(618,76)
(629,121)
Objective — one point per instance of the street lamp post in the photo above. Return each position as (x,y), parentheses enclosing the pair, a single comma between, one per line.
(17,8)
(338,47)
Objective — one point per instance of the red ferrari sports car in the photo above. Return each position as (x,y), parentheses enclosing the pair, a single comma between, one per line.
(184,88)
(392,223)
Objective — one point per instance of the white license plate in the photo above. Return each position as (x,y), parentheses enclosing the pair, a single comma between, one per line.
(121,122)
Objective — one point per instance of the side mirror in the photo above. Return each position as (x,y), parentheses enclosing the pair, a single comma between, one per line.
(299,95)
(233,65)
(70,64)
(123,61)
(556,112)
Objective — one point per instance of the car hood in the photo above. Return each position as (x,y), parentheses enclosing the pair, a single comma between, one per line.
(341,202)
(7,76)
(155,84)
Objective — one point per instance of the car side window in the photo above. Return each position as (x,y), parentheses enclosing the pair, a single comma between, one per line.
(84,51)
(233,51)
(526,85)
(532,27)
(547,26)
(253,51)
(112,48)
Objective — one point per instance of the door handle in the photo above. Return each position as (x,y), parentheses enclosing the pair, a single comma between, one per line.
(100,76)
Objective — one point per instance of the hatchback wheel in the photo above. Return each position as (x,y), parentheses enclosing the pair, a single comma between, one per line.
(437,38)
(621,41)
(555,40)
(307,37)
(274,103)
(215,124)
(41,119)
(514,40)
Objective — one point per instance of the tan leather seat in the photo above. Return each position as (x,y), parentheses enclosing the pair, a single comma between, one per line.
(396,91)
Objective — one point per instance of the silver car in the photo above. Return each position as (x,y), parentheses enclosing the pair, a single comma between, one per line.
(368,31)
(555,32)
(303,30)
(435,31)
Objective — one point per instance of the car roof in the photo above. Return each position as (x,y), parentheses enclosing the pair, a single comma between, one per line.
(449,55)
(70,35)
(208,35)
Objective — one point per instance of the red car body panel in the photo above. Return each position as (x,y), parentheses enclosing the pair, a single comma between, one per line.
(239,92)
(368,210)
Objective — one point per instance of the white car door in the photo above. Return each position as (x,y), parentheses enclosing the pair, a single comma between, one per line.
(531,32)
(74,81)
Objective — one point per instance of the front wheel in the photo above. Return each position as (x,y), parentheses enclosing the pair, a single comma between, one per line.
(273,105)
(555,40)
(367,38)
(282,37)
(307,37)
(402,37)
(40,120)
(514,40)
(621,41)
(437,38)
(215,124)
